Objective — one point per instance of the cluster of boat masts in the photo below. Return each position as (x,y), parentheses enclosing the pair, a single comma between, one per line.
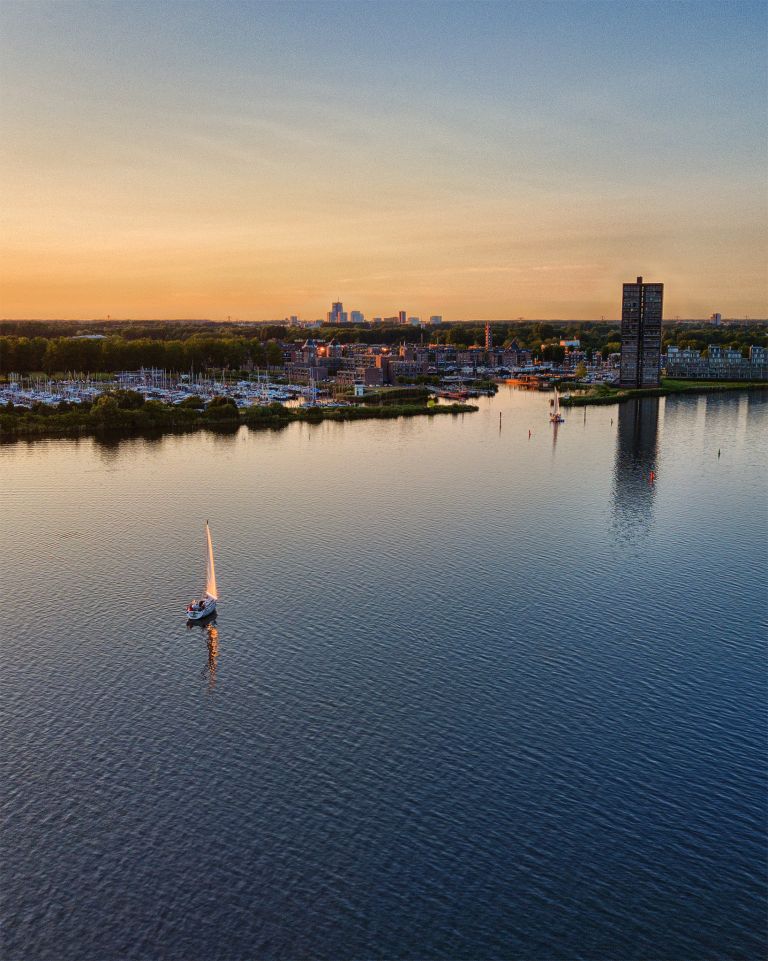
(153,385)
(174,389)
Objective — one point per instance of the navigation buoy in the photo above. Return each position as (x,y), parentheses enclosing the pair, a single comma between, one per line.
(529,435)
(651,476)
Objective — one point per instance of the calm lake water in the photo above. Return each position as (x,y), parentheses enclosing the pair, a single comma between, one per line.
(471,696)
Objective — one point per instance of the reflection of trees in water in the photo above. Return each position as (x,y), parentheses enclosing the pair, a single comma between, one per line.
(636,453)
(112,446)
(223,434)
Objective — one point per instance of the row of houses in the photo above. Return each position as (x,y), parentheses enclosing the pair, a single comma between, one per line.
(378,365)
(721,363)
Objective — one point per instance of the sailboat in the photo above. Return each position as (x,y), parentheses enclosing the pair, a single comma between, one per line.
(197,610)
(555,417)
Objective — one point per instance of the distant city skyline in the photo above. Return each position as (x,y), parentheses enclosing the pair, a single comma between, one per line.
(481,161)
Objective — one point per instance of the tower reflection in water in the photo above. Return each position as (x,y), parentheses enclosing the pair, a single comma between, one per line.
(634,482)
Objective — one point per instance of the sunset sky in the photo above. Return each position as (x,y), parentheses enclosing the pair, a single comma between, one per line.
(468,159)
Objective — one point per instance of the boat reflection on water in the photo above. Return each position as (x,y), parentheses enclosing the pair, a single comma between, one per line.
(635,466)
(212,642)
(208,627)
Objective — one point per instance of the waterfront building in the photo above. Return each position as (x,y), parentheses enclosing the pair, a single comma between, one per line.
(724,355)
(686,356)
(641,313)
(722,363)
(333,349)
(303,374)
(573,358)
(473,357)
(365,376)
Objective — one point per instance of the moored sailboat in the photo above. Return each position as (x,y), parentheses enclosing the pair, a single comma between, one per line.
(197,610)
(555,417)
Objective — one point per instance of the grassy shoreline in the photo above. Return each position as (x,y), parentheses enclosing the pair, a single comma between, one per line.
(160,419)
(613,395)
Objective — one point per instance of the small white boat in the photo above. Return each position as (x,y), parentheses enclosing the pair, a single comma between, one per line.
(197,610)
(555,417)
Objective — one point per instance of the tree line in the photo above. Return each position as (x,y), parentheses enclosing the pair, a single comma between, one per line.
(51,347)
(115,353)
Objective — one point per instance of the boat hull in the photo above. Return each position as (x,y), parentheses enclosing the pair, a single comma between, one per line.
(198,614)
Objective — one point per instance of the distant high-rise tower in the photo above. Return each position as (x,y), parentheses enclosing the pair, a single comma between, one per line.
(337,314)
(401,317)
(641,311)
(716,319)
(488,338)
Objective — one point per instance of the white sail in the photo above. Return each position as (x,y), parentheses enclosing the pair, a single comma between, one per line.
(210,579)
(557,403)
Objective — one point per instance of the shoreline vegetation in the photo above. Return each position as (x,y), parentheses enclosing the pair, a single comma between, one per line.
(604,394)
(124,413)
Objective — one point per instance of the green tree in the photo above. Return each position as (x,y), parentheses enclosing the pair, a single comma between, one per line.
(552,352)
(128,399)
(274,354)
(222,407)
(106,411)
(195,403)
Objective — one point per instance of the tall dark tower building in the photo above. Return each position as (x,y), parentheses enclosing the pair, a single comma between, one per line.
(641,334)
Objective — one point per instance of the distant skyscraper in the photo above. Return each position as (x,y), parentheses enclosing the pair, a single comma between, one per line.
(401,317)
(356,317)
(337,314)
(641,312)
(716,319)
(436,319)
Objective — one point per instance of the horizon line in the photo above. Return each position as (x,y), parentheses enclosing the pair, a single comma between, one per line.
(283,322)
